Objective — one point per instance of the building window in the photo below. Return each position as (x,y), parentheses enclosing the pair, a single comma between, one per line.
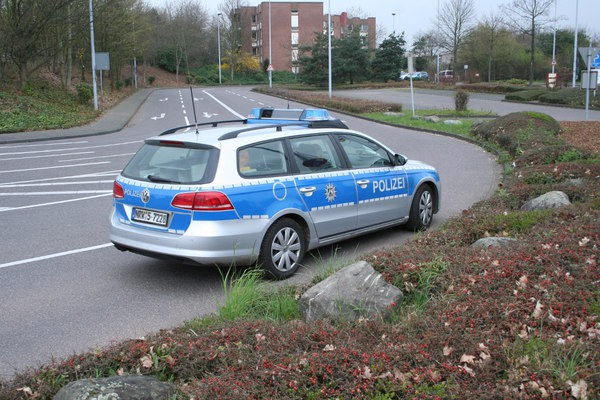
(294,21)
(364,28)
(294,38)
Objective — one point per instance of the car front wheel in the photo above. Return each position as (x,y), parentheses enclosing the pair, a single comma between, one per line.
(421,210)
(282,249)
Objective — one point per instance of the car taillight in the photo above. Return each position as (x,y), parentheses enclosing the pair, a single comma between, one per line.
(202,201)
(118,192)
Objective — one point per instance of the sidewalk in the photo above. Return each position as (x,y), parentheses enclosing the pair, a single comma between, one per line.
(113,120)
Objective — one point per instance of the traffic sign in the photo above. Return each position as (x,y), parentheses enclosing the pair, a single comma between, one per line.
(592,52)
(270,68)
(596,62)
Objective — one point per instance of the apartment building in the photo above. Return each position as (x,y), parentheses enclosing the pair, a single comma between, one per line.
(294,25)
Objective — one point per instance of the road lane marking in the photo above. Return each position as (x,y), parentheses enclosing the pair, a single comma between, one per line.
(55,202)
(57,183)
(56,192)
(73,149)
(94,174)
(55,255)
(55,167)
(47,156)
(97,157)
(224,105)
(42,144)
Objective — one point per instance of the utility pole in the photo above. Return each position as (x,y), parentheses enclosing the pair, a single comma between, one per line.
(93,58)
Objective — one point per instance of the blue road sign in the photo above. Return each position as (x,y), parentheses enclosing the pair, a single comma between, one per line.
(596,62)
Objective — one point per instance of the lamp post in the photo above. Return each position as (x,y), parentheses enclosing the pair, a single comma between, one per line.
(93,57)
(575,45)
(554,39)
(329,46)
(219,42)
(270,59)
(394,23)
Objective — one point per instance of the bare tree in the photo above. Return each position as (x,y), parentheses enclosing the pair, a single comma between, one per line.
(492,26)
(455,21)
(232,30)
(529,17)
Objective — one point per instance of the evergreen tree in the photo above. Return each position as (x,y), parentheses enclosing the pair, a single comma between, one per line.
(389,58)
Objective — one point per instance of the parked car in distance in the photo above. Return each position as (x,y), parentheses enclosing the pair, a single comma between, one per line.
(446,75)
(420,76)
(403,76)
(240,193)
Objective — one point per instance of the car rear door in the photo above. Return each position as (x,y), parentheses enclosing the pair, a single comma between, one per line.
(328,191)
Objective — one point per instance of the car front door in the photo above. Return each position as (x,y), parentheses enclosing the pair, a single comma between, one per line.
(382,187)
(328,191)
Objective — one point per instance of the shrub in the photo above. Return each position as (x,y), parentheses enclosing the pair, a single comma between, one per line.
(84,93)
(119,85)
(127,82)
(526,95)
(461,100)
(151,79)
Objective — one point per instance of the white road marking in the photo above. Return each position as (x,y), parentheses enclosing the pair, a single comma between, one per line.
(105,173)
(162,115)
(57,192)
(97,157)
(42,144)
(55,167)
(76,148)
(47,156)
(57,184)
(55,255)
(55,202)
(224,105)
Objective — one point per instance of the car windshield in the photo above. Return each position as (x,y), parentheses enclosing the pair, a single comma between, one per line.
(172,164)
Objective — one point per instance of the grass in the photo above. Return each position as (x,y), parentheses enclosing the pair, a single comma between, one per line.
(39,106)
(464,129)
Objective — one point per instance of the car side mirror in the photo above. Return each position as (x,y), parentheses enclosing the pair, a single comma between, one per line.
(399,159)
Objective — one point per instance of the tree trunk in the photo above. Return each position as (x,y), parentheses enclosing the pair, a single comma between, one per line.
(532,52)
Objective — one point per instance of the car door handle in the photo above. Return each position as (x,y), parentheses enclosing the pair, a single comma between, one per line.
(363,183)
(308,191)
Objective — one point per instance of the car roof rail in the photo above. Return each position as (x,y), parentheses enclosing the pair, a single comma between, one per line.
(214,124)
(279,127)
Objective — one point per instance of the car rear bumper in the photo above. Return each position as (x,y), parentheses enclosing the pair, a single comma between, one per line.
(204,242)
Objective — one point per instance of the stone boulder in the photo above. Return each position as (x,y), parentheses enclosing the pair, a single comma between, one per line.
(433,118)
(130,387)
(495,242)
(553,199)
(356,291)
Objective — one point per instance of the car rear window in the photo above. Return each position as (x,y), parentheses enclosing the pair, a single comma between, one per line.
(173,163)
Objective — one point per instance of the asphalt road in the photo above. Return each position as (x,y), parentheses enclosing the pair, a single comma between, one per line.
(64,288)
(426,99)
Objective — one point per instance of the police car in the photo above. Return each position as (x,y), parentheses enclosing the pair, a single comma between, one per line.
(264,194)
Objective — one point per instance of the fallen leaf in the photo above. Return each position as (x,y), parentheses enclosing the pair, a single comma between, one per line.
(448,350)
(467,359)
(329,347)
(537,313)
(146,362)
(579,389)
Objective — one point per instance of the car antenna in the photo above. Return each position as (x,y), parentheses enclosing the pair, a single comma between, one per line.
(194,108)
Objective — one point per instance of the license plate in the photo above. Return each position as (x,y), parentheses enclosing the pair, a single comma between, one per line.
(150,217)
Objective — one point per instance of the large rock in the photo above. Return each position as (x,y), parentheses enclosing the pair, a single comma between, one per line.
(356,291)
(130,387)
(494,242)
(553,199)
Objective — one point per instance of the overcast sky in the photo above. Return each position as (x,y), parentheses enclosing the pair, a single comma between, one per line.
(418,16)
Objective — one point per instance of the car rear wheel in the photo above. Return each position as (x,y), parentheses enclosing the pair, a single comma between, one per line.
(421,210)
(282,249)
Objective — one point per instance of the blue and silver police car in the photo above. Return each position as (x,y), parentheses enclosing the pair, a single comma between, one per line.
(264,194)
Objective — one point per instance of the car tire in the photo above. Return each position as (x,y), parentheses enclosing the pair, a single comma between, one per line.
(421,209)
(282,249)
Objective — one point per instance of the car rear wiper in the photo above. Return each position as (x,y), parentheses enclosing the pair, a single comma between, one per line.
(161,180)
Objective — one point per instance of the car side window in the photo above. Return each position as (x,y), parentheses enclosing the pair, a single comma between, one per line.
(363,153)
(315,154)
(262,159)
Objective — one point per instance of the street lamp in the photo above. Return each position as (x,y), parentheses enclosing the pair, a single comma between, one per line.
(329,45)
(270,59)
(219,42)
(394,23)
(575,44)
